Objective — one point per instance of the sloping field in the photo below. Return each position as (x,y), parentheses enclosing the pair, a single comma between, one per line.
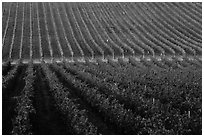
(102,68)
(100,30)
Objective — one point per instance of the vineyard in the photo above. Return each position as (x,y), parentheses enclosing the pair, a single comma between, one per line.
(101,68)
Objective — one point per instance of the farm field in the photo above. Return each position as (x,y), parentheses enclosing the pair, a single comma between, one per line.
(101,68)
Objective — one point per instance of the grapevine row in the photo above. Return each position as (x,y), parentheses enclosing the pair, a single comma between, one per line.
(100,30)
(6,80)
(145,91)
(77,118)
(108,106)
(21,123)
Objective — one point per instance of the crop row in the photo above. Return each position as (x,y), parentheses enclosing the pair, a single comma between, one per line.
(77,118)
(7,79)
(134,100)
(67,30)
(104,76)
(24,107)
(109,107)
(151,95)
